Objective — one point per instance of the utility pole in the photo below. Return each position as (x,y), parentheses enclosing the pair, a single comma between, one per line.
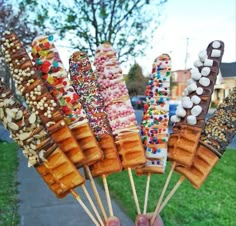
(186,53)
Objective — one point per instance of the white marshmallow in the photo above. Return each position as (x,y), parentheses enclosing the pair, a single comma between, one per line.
(194,70)
(195,99)
(180,112)
(205,71)
(199,90)
(216,44)
(192,87)
(191,120)
(208,62)
(215,53)
(204,81)
(196,110)
(187,103)
(202,55)
(185,92)
(175,118)
(197,63)
(196,76)
(190,81)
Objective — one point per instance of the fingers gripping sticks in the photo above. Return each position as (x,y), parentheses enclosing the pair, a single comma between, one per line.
(118,107)
(154,125)
(85,84)
(37,96)
(51,163)
(53,73)
(190,115)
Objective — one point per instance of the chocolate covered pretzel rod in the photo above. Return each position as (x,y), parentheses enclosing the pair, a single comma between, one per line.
(54,75)
(217,134)
(25,128)
(154,125)
(190,115)
(85,84)
(37,96)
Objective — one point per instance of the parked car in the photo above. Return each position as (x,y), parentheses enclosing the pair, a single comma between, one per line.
(138,101)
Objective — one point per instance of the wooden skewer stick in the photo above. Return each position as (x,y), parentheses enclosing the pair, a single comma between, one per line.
(104,179)
(163,192)
(84,207)
(134,190)
(92,204)
(97,196)
(146,193)
(181,179)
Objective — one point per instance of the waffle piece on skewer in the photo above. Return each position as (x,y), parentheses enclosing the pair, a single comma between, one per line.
(190,115)
(51,163)
(154,125)
(37,97)
(217,134)
(85,84)
(60,174)
(54,75)
(118,107)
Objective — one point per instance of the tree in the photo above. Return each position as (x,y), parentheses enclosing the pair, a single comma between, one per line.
(127,24)
(13,19)
(136,82)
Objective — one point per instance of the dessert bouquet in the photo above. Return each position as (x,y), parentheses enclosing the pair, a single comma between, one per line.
(84,119)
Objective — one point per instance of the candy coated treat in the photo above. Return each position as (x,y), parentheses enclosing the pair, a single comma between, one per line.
(85,84)
(25,128)
(154,125)
(37,96)
(51,70)
(190,115)
(121,115)
(51,163)
(217,134)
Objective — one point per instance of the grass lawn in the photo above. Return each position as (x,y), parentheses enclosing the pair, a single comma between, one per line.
(213,204)
(8,191)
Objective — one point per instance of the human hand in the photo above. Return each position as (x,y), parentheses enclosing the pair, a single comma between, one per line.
(144,220)
(113,221)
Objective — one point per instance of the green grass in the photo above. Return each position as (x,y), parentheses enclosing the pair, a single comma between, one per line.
(8,190)
(213,204)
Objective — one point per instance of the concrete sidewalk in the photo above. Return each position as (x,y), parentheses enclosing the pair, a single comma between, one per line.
(38,206)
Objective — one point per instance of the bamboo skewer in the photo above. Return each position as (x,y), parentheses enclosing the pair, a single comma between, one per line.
(163,192)
(97,196)
(146,193)
(92,204)
(107,195)
(134,190)
(179,182)
(77,197)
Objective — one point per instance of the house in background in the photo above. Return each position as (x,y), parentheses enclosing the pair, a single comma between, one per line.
(226,80)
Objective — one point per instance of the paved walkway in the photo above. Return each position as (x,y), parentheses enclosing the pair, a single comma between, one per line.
(39,206)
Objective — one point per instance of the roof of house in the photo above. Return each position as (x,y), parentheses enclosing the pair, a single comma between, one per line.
(228,69)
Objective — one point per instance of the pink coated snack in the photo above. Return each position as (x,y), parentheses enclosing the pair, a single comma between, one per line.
(118,107)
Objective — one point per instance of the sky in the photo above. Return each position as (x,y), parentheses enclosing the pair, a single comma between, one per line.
(186,28)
